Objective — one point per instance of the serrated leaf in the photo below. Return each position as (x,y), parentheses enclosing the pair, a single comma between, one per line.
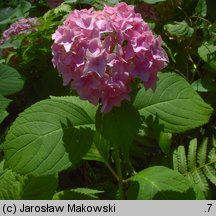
(210,173)
(119,126)
(207,52)
(77,141)
(212,156)
(10,187)
(158,179)
(39,188)
(99,151)
(175,160)
(10,80)
(199,180)
(182,160)
(177,105)
(200,195)
(179,29)
(78,194)
(202,153)
(192,153)
(34,142)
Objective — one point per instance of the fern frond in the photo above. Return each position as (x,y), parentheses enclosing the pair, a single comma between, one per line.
(210,173)
(202,152)
(175,160)
(212,156)
(192,152)
(200,179)
(195,166)
(182,160)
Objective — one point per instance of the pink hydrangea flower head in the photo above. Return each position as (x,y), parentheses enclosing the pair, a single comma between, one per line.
(22,26)
(99,53)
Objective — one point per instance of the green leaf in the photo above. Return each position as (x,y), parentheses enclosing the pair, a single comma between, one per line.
(192,152)
(182,160)
(201,183)
(119,126)
(12,15)
(165,141)
(10,187)
(39,188)
(202,153)
(210,173)
(198,86)
(10,80)
(152,1)
(207,52)
(201,8)
(158,179)
(4,102)
(5,13)
(99,151)
(83,104)
(34,144)
(77,141)
(179,29)
(16,187)
(177,105)
(3,115)
(77,194)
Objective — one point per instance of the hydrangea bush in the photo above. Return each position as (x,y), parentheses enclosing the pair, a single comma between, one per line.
(102,99)
(99,53)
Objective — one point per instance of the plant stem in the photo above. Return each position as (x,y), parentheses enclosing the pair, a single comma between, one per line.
(119,172)
(112,171)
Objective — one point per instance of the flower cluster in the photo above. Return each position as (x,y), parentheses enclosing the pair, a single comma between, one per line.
(22,26)
(101,52)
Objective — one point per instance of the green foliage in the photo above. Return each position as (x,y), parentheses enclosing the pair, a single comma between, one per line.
(157,179)
(99,151)
(116,128)
(179,29)
(77,141)
(10,83)
(165,141)
(78,194)
(4,102)
(38,134)
(99,4)
(39,188)
(53,145)
(177,105)
(198,165)
(10,80)
(201,8)
(14,186)
(10,186)
(10,14)
(207,51)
